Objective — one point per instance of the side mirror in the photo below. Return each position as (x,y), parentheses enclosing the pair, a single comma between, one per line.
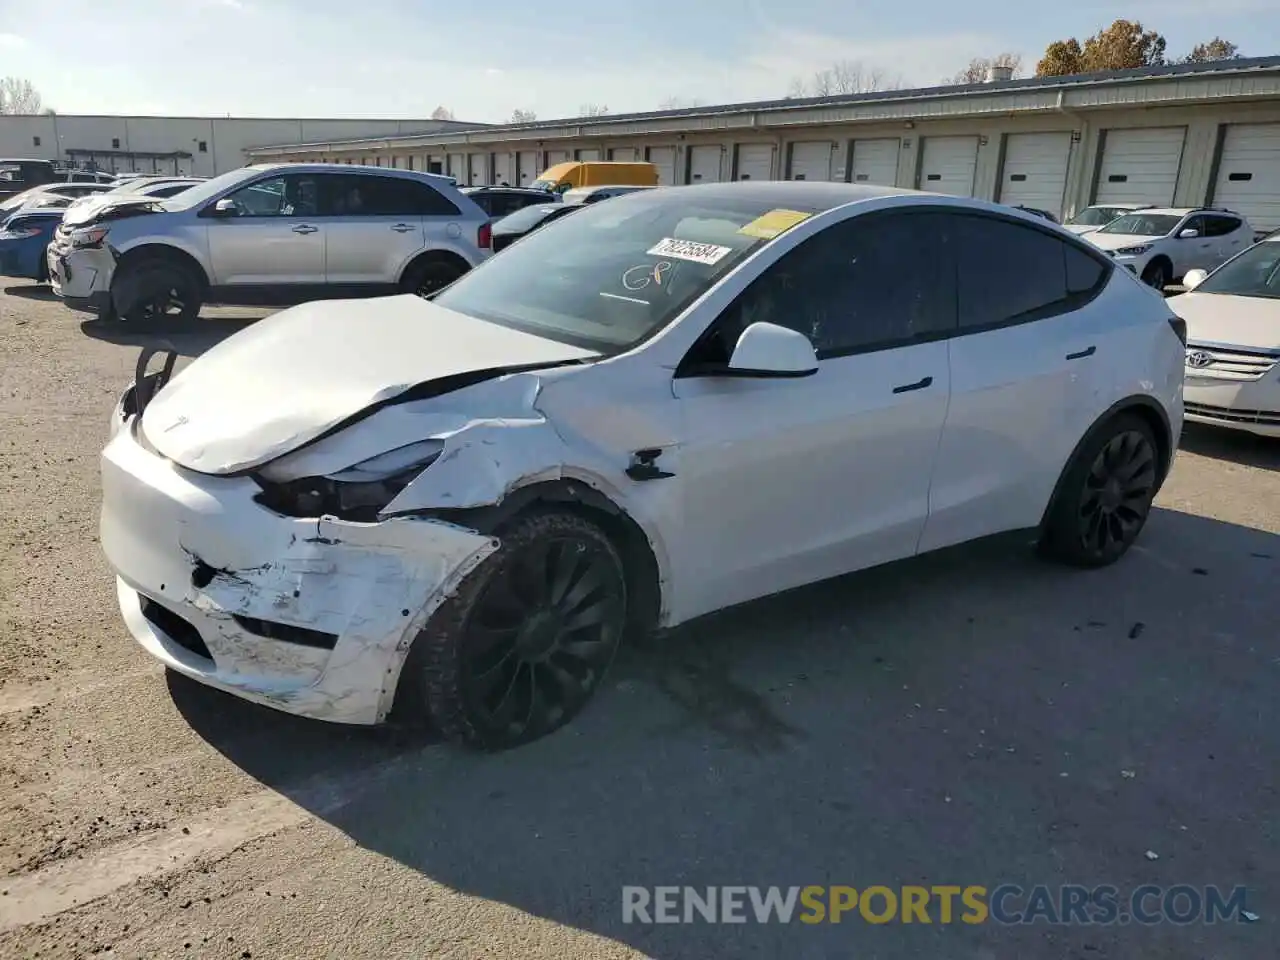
(1188,234)
(768,350)
(226,207)
(1194,278)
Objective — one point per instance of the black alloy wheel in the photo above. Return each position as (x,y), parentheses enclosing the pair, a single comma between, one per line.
(528,637)
(1156,275)
(430,277)
(151,293)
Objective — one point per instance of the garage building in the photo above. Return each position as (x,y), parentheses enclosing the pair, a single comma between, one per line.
(1187,135)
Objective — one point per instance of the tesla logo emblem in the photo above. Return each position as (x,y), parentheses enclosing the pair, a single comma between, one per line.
(1198,358)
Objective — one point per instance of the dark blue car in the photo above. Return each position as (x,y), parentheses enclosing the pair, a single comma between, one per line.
(24,238)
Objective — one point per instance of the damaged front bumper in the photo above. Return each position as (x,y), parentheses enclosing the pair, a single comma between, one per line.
(312,617)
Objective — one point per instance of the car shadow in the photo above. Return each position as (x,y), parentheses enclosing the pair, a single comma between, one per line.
(33,291)
(961,718)
(1236,446)
(189,339)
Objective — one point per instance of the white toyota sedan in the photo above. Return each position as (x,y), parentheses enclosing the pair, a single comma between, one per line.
(455,510)
(1233,341)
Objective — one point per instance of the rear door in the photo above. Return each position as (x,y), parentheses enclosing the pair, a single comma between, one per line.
(375,226)
(275,237)
(1228,235)
(1024,365)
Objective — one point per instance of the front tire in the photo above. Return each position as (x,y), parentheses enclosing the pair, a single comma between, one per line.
(1105,496)
(152,292)
(526,640)
(1156,275)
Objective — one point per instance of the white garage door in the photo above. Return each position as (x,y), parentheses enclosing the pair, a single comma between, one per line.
(556,156)
(527,166)
(948,164)
(502,168)
(875,162)
(624,154)
(755,161)
(1249,173)
(704,164)
(592,154)
(810,160)
(1140,166)
(664,158)
(458,167)
(479,168)
(1035,170)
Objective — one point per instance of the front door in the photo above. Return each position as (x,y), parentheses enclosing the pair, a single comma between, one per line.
(787,481)
(274,237)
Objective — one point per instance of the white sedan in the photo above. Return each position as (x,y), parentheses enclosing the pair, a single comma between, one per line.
(1233,341)
(667,404)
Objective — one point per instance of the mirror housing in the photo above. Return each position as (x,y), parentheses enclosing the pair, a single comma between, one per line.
(1188,234)
(1194,278)
(226,207)
(768,350)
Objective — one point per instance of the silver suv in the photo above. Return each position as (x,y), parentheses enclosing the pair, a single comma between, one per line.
(265,232)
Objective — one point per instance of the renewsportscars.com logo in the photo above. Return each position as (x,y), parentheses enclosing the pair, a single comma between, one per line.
(1069,904)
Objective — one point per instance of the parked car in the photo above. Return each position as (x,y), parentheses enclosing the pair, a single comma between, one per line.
(68,191)
(294,230)
(560,177)
(596,194)
(19,175)
(1036,212)
(159,187)
(1233,341)
(24,241)
(1160,244)
(523,222)
(1091,218)
(634,417)
(498,202)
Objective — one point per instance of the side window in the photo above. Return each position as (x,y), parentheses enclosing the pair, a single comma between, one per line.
(1191,223)
(284,196)
(374,196)
(865,284)
(1220,226)
(1010,273)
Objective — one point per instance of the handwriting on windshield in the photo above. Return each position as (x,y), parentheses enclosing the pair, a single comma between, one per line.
(642,275)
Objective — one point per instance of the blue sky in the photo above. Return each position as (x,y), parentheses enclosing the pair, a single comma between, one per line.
(397,58)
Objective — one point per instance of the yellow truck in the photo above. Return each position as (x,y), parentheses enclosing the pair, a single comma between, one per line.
(596,173)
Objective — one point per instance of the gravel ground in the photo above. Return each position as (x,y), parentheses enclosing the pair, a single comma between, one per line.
(973,717)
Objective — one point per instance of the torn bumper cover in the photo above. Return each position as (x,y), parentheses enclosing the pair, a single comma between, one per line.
(312,617)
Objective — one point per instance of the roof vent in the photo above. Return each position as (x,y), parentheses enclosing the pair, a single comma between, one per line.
(996,73)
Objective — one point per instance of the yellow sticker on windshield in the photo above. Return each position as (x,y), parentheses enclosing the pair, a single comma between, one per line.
(774,222)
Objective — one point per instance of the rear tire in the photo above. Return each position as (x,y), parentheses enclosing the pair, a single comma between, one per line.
(1105,496)
(156,291)
(430,275)
(525,641)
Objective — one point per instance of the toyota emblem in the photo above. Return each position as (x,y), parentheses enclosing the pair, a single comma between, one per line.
(1199,358)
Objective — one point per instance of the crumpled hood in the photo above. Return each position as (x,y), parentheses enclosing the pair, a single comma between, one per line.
(79,214)
(1251,323)
(295,376)
(1117,241)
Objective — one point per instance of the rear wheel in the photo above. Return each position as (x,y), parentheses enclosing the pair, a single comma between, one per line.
(1105,495)
(154,292)
(430,275)
(527,639)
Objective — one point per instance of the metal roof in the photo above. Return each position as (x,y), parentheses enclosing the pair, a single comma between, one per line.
(600,125)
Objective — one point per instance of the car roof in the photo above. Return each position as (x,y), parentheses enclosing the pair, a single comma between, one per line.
(815,195)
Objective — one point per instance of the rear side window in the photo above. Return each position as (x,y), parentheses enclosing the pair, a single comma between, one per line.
(1011,273)
(373,196)
(502,204)
(1219,225)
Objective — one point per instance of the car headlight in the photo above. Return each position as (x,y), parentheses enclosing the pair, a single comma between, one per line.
(357,492)
(1134,251)
(88,237)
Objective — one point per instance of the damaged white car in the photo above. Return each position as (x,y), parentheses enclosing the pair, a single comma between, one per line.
(665,405)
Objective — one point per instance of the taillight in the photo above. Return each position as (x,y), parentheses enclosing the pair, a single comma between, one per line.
(1180,328)
(485,238)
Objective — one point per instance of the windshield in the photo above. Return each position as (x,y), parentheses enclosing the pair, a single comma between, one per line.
(1095,216)
(614,273)
(1255,273)
(550,185)
(1143,224)
(19,199)
(209,189)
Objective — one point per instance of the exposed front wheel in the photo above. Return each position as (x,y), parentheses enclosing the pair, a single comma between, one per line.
(156,292)
(526,640)
(1105,496)
(1156,275)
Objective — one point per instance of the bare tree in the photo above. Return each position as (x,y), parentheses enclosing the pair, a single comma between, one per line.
(522,116)
(844,77)
(979,68)
(18,96)
(592,110)
(442,113)
(680,103)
